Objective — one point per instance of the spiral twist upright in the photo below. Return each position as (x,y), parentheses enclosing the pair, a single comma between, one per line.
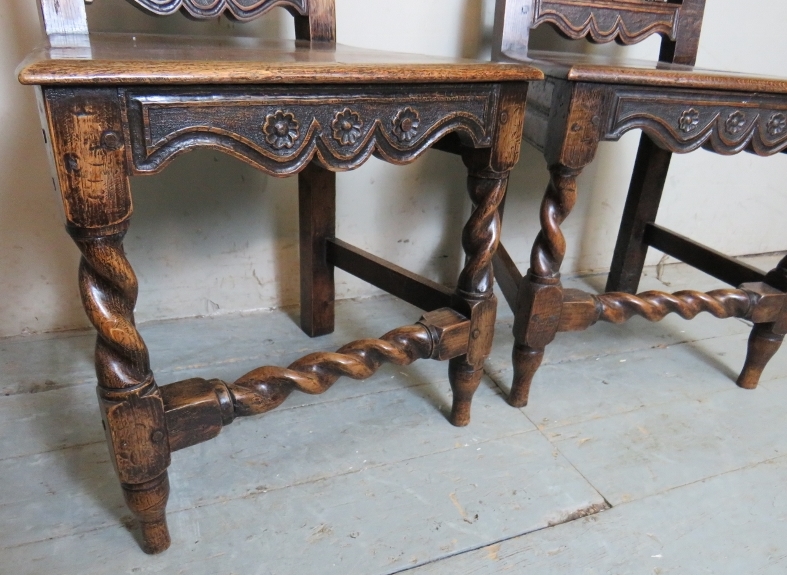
(618,307)
(265,388)
(108,287)
(550,245)
(481,234)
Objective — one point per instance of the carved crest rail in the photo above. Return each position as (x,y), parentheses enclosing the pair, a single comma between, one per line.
(239,9)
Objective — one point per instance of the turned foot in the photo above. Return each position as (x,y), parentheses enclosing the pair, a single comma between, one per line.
(148,503)
(763,345)
(526,362)
(465,380)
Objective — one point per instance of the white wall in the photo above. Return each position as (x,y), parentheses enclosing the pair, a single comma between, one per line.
(211,235)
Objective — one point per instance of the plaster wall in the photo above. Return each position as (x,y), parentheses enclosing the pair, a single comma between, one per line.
(211,235)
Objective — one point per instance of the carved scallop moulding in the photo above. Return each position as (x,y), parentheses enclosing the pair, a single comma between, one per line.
(685,121)
(281,129)
(238,9)
(625,22)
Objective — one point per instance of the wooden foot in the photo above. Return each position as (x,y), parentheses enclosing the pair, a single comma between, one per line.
(465,380)
(317,207)
(148,503)
(763,345)
(540,298)
(526,362)
(766,336)
(131,404)
(90,160)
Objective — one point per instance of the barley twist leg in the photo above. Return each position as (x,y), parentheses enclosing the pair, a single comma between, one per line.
(132,406)
(541,296)
(480,238)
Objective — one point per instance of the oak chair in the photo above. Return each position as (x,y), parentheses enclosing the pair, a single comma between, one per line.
(118,105)
(679,108)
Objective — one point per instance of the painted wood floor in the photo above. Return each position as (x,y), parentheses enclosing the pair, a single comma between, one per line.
(637,455)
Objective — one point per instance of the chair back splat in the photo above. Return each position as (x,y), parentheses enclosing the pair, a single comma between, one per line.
(600,21)
(315,20)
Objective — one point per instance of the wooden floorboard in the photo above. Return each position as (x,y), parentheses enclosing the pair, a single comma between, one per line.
(377,520)
(370,478)
(726,525)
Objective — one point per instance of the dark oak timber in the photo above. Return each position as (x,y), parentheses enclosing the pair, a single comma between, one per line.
(679,109)
(642,205)
(714,263)
(119,105)
(412,288)
(317,223)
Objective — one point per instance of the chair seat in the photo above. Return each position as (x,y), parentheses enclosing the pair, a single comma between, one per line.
(153,59)
(607,70)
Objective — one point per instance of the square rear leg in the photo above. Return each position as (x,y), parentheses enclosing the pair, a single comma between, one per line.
(317,216)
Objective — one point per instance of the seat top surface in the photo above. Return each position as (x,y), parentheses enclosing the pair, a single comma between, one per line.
(607,70)
(152,59)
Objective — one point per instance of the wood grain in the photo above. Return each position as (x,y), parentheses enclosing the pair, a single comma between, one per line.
(123,59)
(86,131)
(117,105)
(316,225)
(606,70)
(679,108)
(197,409)
(166,122)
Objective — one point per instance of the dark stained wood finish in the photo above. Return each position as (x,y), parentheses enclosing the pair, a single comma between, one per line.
(607,70)
(714,263)
(625,22)
(763,345)
(197,409)
(319,25)
(769,329)
(121,105)
(237,9)
(589,99)
(507,275)
(406,285)
(642,205)
(115,59)
(85,128)
(317,223)
(340,127)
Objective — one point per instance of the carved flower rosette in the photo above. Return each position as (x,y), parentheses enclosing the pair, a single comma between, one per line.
(777,124)
(346,127)
(281,130)
(735,122)
(688,120)
(405,125)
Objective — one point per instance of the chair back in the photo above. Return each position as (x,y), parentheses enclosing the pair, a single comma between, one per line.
(315,20)
(624,21)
